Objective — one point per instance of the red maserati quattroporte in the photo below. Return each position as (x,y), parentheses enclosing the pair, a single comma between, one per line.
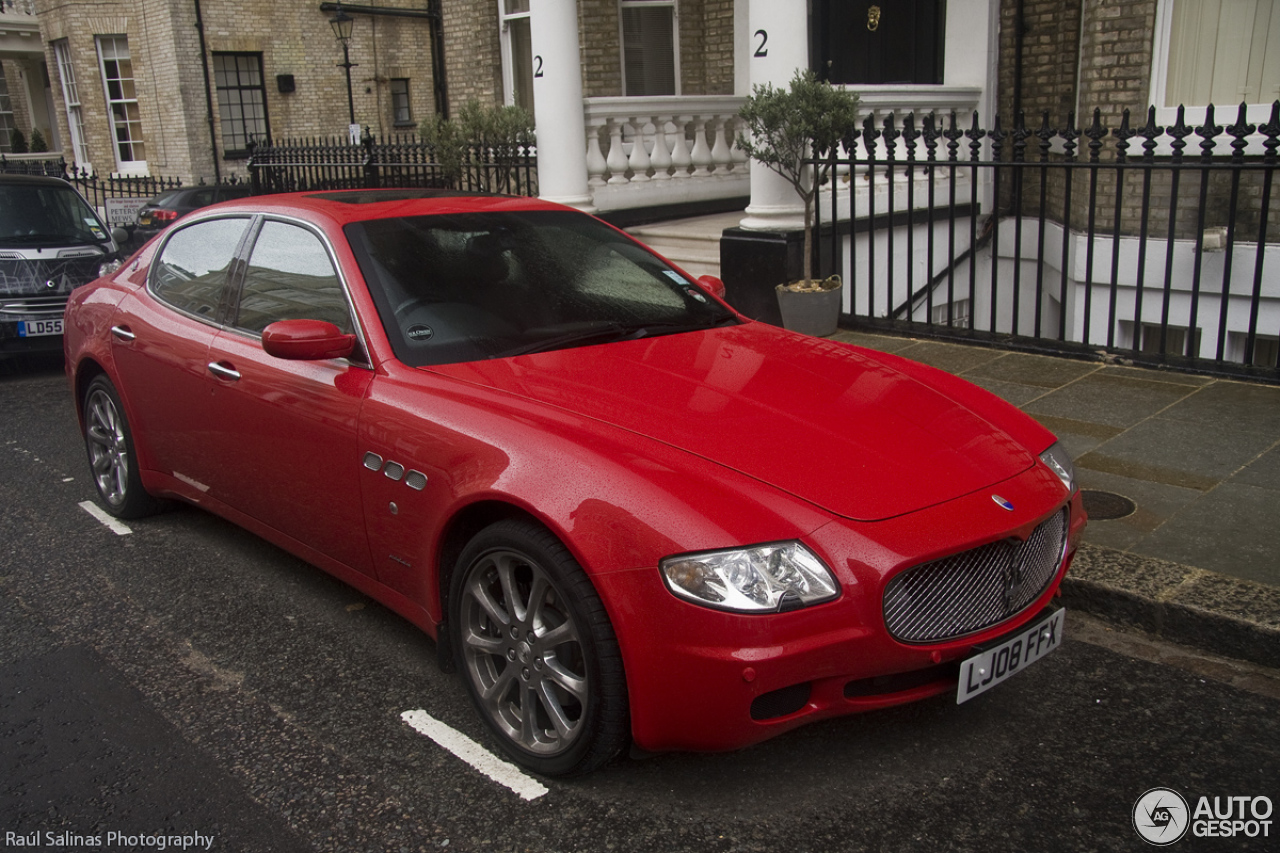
(625,513)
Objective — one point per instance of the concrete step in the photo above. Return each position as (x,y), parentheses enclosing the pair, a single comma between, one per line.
(693,243)
(679,242)
(694,261)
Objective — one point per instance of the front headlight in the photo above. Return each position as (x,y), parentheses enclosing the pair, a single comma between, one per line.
(1060,463)
(762,579)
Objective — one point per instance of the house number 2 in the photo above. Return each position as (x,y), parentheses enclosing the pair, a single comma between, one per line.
(761,50)
(537,66)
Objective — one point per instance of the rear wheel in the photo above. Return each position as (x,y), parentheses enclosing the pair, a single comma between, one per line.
(537,651)
(112,460)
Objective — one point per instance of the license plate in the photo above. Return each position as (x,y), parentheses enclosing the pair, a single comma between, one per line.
(991,666)
(39,328)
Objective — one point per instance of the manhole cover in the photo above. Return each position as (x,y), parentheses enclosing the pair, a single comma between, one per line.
(1103,506)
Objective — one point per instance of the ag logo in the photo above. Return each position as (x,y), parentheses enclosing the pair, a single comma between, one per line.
(1161,816)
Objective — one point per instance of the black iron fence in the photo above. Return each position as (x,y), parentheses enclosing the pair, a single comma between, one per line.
(395,161)
(97,189)
(1115,241)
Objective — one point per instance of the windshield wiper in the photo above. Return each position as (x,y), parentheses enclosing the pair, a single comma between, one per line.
(603,333)
(608,332)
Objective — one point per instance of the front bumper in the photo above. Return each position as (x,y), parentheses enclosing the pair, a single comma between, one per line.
(13,343)
(706,680)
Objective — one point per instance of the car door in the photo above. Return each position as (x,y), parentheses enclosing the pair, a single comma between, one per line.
(160,337)
(286,429)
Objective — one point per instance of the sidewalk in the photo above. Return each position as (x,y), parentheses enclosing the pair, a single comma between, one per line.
(1182,482)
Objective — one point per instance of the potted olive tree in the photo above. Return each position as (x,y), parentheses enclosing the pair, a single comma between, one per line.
(784,128)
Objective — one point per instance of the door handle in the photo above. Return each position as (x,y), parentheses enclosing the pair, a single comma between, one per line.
(223,371)
(123,333)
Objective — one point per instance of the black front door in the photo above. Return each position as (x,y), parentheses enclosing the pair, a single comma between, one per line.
(888,41)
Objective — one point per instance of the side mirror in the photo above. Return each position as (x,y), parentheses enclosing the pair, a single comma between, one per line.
(120,235)
(713,284)
(306,340)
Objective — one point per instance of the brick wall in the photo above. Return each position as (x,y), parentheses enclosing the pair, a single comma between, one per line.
(600,37)
(1115,56)
(472,52)
(717,48)
(1050,51)
(1105,45)
(293,36)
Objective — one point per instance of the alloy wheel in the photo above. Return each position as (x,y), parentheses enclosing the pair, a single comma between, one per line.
(524,653)
(108,447)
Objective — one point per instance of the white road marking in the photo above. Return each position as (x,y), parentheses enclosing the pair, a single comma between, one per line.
(116,527)
(477,756)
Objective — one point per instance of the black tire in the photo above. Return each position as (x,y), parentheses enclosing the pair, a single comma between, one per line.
(537,652)
(112,459)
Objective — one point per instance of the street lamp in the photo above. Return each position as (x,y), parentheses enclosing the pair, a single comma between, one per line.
(342,24)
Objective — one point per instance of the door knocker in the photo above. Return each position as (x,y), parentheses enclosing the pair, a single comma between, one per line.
(873,18)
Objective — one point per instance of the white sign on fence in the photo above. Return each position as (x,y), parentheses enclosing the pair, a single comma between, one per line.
(124,211)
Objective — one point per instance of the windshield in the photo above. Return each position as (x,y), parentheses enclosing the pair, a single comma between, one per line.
(465,287)
(47,216)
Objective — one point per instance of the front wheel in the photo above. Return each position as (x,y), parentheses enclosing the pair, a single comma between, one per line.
(537,651)
(112,460)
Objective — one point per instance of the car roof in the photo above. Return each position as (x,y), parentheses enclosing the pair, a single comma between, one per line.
(343,206)
(33,181)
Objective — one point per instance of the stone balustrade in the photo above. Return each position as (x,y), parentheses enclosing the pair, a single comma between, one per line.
(642,152)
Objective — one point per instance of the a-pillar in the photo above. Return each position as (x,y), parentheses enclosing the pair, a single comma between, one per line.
(768,247)
(557,96)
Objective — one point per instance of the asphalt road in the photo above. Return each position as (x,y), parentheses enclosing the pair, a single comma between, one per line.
(187,679)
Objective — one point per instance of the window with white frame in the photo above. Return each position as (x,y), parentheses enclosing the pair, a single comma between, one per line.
(6,115)
(1172,340)
(242,100)
(401,108)
(71,97)
(1220,52)
(517,53)
(1265,353)
(955,314)
(122,103)
(650,48)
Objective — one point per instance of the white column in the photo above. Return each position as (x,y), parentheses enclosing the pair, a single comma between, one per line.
(778,46)
(557,94)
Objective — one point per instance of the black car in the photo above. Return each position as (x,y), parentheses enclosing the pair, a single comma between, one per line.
(51,242)
(163,210)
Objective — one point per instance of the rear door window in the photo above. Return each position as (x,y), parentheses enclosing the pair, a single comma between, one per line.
(192,271)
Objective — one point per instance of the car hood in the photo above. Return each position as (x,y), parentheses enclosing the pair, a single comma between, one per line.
(826,422)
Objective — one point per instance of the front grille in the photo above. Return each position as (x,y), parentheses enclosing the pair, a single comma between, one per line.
(976,589)
(47,275)
(51,306)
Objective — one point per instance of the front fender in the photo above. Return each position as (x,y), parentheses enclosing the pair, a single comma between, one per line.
(617,500)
